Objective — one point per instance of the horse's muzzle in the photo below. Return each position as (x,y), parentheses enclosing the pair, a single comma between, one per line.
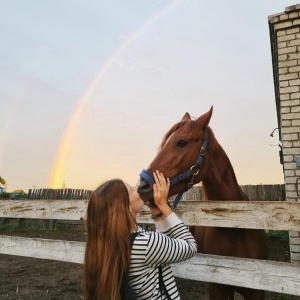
(145,191)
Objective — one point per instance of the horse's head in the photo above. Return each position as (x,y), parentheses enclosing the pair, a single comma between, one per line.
(181,156)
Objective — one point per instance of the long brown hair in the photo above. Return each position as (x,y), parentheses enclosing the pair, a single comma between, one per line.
(107,255)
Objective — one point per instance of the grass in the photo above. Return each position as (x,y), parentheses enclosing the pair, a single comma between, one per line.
(287,297)
(280,235)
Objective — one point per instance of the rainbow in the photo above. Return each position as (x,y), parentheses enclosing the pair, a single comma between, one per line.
(56,179)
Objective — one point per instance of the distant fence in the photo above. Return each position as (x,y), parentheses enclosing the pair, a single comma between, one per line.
(261,192)
(59,194)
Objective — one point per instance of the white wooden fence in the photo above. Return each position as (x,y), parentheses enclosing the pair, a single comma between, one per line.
(259,274)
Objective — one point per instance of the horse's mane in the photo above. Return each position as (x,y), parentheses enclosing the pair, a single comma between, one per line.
(191,128)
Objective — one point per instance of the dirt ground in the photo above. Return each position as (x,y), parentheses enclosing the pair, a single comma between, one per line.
(28,278)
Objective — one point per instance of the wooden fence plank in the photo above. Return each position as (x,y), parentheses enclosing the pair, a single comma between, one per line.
(66,251)
(243,214)
(259,274)
(266,275)
(43,209)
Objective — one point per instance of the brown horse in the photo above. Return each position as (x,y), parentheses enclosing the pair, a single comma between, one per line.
(179,150)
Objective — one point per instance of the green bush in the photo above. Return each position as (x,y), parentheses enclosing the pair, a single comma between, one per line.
(4,195)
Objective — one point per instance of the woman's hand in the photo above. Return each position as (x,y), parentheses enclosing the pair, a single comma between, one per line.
(160,193)
(160,189)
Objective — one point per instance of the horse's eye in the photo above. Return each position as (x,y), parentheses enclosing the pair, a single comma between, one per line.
(181,143)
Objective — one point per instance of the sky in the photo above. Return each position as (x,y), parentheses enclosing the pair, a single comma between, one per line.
(89,88)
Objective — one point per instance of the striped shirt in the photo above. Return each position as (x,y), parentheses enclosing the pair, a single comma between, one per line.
(172,242)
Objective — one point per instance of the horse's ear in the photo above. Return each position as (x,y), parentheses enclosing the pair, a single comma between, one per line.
(186,117)
(203,120)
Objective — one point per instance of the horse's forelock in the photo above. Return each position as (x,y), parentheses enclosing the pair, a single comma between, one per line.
(169,133)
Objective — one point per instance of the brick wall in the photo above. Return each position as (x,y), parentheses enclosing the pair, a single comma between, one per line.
(285,47)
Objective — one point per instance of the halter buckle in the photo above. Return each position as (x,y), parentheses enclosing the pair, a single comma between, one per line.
(193,169)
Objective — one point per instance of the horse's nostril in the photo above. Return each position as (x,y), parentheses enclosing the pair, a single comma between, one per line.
(144,187)
(146,192)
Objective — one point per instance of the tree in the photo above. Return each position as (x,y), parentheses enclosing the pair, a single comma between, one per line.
(2,181)
(19,191)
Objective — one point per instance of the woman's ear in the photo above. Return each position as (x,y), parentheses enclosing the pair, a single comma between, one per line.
(130,209)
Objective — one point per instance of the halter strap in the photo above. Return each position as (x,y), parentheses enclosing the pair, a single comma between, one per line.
(183,176)
(147,177)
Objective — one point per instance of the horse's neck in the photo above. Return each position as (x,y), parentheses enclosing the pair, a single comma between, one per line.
(220,181)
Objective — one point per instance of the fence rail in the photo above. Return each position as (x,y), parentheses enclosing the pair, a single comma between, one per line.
(266,275)
(237,214)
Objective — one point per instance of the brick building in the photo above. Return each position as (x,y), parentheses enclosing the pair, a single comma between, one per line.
(285,48)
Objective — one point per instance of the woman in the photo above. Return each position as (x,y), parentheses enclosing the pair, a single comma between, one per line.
(111,218)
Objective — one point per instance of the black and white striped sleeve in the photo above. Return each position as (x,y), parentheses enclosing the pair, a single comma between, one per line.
(171,243)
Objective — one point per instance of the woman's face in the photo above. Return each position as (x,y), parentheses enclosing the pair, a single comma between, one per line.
(136,203)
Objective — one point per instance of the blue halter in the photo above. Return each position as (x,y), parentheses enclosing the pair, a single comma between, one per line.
(193,171)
